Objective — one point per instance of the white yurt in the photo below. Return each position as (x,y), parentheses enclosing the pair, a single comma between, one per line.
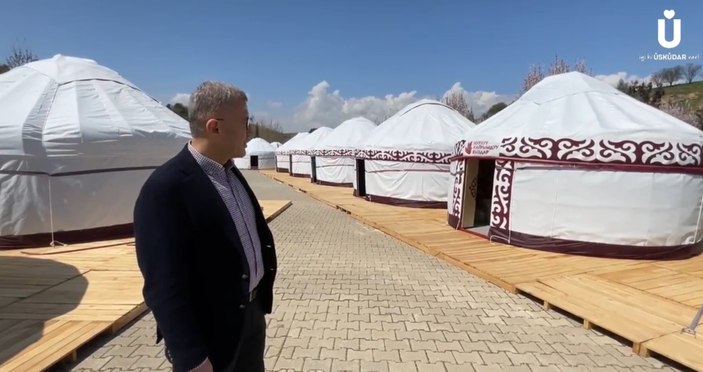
(406,158)
(301,151)
(583,168)
(276,144)
(283,156)
(77,141)
(260,155)
(334,155)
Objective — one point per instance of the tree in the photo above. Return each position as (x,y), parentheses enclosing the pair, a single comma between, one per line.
(672,74)
(179,109)
(4,68)
(690,71)
(646,93)
(657,79)
(457,101)
(581,67)
(558,66)
(623,86)
(493,110)
(19,57)
(534,76)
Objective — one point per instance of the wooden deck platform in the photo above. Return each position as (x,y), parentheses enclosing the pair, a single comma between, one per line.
(645,302)
(54,300)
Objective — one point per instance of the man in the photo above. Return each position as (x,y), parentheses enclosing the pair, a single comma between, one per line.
(203,245)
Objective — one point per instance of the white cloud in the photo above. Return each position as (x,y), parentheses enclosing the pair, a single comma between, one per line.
(479,101)
(613,79)
(181,98)
(325,108)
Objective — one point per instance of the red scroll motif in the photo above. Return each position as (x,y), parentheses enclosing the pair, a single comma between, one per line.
(603,151)
(457,169)
(431,157)
(336,153)
(500,213)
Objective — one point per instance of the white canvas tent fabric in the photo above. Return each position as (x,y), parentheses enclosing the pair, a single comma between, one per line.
(407,156)
(283,154)
(334,155)
(262,154)
(302,150)
(585,168)
(276,144)
(77,141)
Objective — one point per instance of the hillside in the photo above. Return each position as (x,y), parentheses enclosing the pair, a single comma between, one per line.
(691,93)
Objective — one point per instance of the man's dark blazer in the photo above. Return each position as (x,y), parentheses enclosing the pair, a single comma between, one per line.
(196,275)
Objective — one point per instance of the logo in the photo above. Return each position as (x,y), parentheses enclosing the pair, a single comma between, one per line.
(661,23)
(479,148)
(671,26)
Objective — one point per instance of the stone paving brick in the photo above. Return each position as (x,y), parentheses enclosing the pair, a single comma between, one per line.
(374,366)
(350,297)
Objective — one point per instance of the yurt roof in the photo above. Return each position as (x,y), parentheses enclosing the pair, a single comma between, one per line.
(308,142)
(575,117)
(259,146)
(426,128)
(345,137)
(68,114)
(283,149)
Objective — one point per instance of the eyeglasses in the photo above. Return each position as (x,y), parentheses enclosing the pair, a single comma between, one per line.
(248,124)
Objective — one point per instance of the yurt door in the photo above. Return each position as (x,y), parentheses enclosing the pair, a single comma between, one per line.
(290,165)
(360,178)
(484,192)
(313,170)
(254,162)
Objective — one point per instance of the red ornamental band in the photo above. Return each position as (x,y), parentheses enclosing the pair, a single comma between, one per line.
(500,213)
(431,157)
(601,151)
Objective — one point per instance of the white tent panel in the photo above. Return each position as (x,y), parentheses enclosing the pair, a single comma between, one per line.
(282,152)
(335,170)
(334,154)
(423,182)
(303,149)
(77,141)
(408,154)
(611,207)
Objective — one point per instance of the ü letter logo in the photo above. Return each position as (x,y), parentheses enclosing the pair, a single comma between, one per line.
(669,14)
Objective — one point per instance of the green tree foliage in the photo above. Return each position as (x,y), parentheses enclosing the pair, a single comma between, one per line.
(645,92)
(493,110)
(179,109)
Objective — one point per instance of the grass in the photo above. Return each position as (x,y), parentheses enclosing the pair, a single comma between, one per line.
(692,93)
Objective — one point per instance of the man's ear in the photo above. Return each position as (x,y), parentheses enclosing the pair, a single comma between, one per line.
(212,126)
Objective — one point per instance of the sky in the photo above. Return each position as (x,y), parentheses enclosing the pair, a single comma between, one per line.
(312,63)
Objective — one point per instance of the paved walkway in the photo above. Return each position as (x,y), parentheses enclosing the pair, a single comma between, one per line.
(350,298)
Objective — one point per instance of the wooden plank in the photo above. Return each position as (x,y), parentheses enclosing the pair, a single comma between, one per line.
(683,348)
(632,314)
(274,208)
(54,345)
(677,286)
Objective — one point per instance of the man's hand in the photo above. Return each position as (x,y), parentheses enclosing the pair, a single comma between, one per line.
(205,366)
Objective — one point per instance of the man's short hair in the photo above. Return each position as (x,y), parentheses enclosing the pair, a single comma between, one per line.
(208,98)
